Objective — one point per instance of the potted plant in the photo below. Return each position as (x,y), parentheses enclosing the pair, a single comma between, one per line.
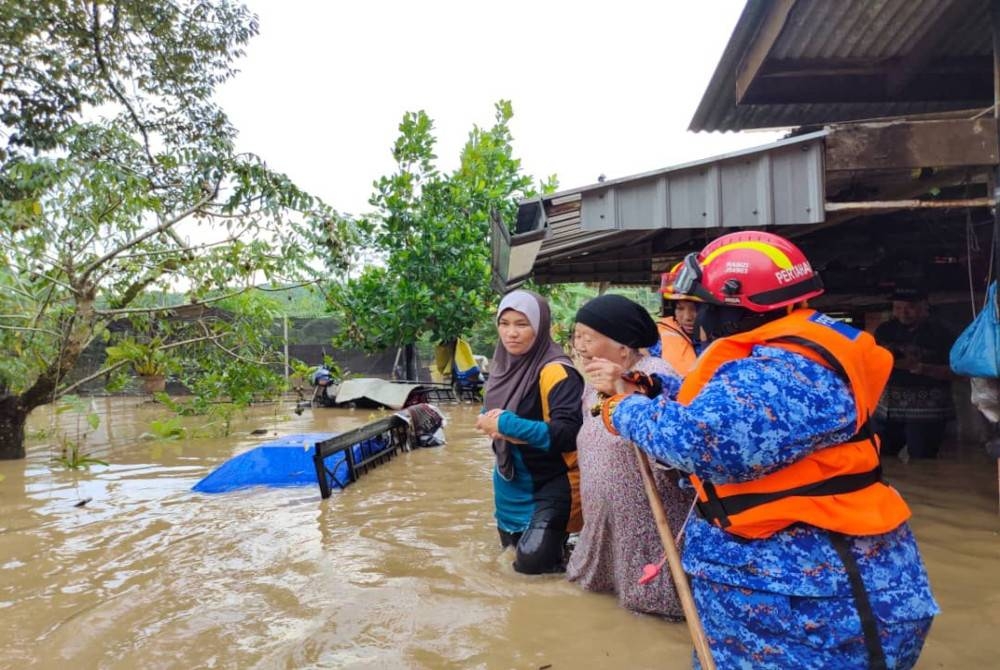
(147,360)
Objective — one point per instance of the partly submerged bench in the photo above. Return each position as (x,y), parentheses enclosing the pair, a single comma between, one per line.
(340,459)
(332,460)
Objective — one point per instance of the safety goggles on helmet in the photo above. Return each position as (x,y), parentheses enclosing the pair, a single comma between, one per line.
(688,274)
(687,280)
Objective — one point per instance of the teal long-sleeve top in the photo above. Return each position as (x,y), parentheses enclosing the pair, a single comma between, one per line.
(546,478)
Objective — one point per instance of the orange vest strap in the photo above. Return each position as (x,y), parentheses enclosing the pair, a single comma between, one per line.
(717,511)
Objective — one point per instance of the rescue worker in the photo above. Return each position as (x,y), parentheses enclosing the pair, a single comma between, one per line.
(679,344)
(800,556)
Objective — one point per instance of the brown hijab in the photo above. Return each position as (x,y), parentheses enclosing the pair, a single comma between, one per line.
(513,377)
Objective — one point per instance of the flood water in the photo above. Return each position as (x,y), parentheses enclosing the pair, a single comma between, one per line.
(400,570)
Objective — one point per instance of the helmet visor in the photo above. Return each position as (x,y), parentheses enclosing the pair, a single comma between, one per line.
(687,281)
(688,275)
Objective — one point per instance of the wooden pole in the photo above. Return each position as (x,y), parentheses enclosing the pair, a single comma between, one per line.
(674,562)
(908,204)
(288,367)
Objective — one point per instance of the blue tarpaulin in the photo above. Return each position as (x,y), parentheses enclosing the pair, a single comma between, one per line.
(287,461)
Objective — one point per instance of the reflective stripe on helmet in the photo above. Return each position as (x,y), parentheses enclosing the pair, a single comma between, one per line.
(776,255)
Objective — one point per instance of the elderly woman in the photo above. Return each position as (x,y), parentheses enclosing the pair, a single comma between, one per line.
(619,533)
(532,413)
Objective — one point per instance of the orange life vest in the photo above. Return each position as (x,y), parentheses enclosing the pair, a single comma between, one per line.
(675,346)
(839,487)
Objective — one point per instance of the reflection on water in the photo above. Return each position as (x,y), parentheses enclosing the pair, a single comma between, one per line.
(400,570)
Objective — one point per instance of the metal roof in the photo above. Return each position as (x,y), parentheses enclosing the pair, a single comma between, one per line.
(616,229)
(627,230)
(823,61)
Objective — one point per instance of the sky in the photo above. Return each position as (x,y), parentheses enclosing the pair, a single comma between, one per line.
(597,87)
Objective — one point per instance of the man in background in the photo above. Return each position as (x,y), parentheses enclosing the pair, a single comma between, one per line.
(917,402)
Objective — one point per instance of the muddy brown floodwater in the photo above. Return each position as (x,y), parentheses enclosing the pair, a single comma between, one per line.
(400,570)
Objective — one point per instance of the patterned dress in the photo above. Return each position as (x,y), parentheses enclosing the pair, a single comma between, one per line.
(784,601)
(619,534)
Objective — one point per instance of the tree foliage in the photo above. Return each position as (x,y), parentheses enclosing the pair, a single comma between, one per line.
(431,236)
(118,176)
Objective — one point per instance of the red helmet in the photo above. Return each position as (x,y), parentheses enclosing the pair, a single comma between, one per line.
(667,289)
(751,269)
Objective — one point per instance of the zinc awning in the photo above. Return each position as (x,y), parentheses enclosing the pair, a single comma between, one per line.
(627,230)
(558,237)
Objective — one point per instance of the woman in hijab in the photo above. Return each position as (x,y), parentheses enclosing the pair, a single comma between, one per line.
(619,535)
(532,412)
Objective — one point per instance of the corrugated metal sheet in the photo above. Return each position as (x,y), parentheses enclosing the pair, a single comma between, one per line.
(777,184)
(862,31)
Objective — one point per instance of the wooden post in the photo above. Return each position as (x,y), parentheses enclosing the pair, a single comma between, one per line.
(287,365)
(674,563)
(410,361)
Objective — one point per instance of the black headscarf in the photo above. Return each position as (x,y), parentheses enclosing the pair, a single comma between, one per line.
(621,319)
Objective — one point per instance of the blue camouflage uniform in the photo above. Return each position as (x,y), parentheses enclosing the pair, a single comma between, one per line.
(784,601)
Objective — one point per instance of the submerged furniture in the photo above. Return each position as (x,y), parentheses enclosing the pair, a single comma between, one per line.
(329,459)
(383,437)
(288,461)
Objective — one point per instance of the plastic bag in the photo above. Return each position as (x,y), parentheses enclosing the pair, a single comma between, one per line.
(985,397)
(976,352)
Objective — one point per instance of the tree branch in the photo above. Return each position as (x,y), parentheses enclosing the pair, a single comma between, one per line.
(161,227)
(232,353)
(153,310)
(111,368)
(167,252)
(26,329)
(102,64)
(77,384)
(137,287)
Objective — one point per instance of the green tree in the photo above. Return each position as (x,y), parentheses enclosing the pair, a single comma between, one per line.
(119,176)
(430,238)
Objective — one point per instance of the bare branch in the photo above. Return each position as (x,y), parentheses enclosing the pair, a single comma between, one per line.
(59,283)
(153,310)
(26,329)
(279,289)
(77,384)
(167,252)
(24,293)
